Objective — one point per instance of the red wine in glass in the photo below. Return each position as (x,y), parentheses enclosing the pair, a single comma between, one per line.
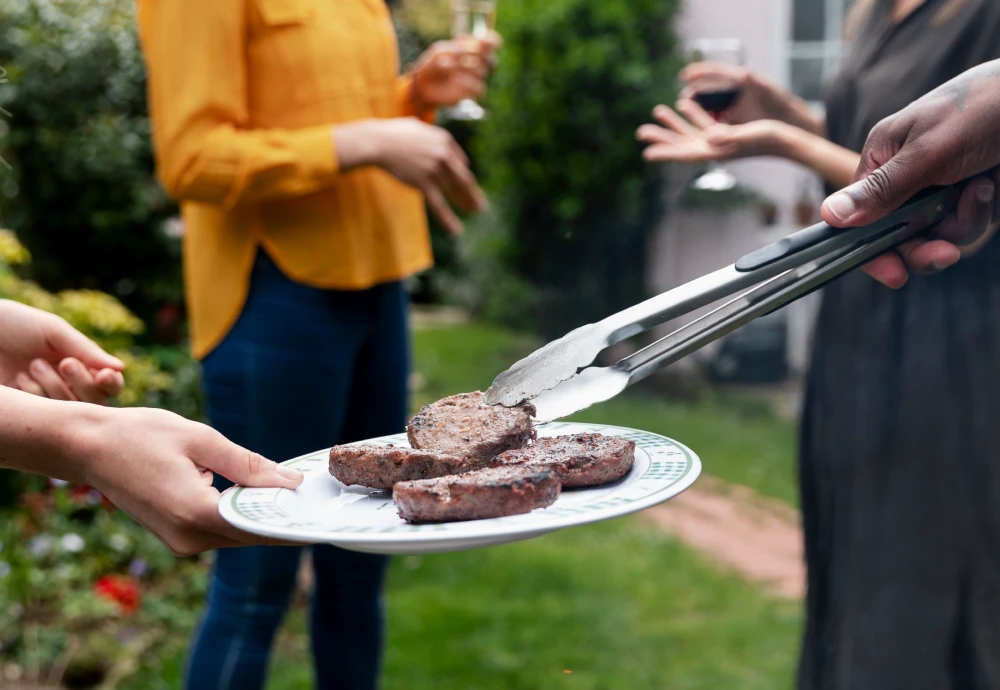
(717,95)
(717,101)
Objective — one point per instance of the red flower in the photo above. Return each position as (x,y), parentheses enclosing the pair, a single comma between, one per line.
(120,590)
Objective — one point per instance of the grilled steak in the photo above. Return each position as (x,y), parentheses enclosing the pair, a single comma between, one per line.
(466,426)
(578,460)
(488,493)
(380,467)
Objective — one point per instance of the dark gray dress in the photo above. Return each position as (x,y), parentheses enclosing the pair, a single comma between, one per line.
(900,445)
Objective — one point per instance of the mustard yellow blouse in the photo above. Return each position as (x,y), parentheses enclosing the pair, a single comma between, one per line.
(243,96)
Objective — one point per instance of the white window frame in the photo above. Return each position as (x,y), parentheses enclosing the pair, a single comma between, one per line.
(829,50)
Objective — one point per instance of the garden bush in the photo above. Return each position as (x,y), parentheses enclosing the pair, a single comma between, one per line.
(80,189)
(575,202)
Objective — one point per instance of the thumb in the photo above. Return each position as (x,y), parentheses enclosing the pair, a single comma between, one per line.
(889,174)
(65,341)
(877,195)
(247,468)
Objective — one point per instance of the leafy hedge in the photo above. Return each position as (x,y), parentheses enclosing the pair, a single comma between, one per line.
(575,201)
(81,193)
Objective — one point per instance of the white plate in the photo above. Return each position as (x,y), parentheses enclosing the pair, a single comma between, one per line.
(322,510)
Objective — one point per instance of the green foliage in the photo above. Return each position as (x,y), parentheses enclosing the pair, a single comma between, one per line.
(575,78)
(418,24)
(55,624)
(81,193)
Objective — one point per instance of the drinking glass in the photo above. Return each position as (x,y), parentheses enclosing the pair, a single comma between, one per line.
(716,94)
(471,19)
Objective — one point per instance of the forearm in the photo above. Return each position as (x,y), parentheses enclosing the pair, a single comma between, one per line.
(833,163)
(799,114)
(44,436)
(789,108)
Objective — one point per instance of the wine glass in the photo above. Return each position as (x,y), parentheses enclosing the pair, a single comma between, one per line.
(716,94)
(471,19)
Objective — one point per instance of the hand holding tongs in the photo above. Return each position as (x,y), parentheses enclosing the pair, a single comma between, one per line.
(559,380)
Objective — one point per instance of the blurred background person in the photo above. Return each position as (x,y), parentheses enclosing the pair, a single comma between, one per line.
(302,161)
(898,452)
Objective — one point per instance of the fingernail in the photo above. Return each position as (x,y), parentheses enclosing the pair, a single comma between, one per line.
(941,265)
(71,368)
(841,205)
(38,367)
(985,193)
(288,472)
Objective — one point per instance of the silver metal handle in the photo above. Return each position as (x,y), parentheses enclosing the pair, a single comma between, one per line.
(798,249)
(763,299)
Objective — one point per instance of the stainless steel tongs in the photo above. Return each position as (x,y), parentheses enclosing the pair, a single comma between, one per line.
(559,380)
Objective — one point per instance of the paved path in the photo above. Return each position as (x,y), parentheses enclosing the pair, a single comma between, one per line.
(759,538)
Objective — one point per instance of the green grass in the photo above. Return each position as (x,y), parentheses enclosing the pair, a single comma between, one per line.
(620,604)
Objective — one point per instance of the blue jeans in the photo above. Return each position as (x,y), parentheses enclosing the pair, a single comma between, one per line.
(301,370)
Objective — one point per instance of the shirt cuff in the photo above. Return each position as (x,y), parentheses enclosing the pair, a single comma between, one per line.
(403,86)
(315,149)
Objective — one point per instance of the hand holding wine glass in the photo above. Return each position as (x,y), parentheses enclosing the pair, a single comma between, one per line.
(759,98)
(716,91)
(472,20)
(451,71)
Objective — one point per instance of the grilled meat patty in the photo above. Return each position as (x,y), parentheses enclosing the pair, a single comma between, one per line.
(466,426)
(380,467)
(578,460)
(489,493)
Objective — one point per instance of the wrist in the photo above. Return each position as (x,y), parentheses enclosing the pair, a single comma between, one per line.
(358,144)
(86,431)
(788,142)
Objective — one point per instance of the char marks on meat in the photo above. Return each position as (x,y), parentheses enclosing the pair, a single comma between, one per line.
(466,426)
(578,460)
(380,467)
(489,493)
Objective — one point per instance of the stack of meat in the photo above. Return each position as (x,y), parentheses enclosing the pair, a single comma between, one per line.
(471,461)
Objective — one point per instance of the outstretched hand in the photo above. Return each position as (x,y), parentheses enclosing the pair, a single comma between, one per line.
(697,137)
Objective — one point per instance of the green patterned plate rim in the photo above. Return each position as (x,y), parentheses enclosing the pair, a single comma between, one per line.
(323,510)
